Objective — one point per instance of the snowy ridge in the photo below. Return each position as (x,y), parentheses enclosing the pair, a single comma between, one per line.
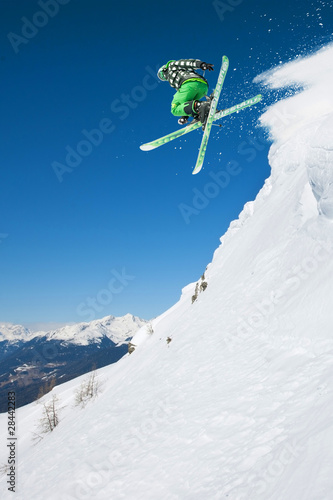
(231,396)
(117,329)
(13,333)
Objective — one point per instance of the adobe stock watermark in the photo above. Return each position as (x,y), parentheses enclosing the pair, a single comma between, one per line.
(201,199)
(310,425)
(282,117)
(92,139)
(288,454)
(116,284)
(248,148)
(223,7)
(30,27)
(121,108)
(133,439)
(266,308)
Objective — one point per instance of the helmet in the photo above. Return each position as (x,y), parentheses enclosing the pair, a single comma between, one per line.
(162,71)
(161,74)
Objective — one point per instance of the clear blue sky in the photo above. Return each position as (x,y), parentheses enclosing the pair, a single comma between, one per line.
(111,238)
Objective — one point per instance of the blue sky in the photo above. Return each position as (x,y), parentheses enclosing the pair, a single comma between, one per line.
(108,234)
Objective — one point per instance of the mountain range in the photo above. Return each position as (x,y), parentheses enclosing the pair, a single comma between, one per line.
(30,360)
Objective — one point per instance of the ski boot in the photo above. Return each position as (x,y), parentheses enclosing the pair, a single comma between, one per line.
(202,110)
(210,97)
(183,120)
(199,110)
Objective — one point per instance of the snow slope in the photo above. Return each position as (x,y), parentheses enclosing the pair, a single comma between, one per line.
(230,397)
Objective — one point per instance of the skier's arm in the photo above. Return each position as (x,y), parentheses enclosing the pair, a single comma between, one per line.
(208,66)
(192,64)
(187,63)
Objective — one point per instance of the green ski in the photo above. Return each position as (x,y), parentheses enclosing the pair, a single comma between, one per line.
(194,126)
(210,119)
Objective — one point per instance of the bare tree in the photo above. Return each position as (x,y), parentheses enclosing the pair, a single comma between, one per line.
(89,389)
(200,286)
(150,329)
(50,416)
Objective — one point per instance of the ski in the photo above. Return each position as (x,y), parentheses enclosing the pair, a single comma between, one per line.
(194,126)
(210,119)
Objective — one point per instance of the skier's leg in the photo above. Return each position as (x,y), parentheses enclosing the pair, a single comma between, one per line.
(202,89)
(189,92)
(197,108)
(180,98)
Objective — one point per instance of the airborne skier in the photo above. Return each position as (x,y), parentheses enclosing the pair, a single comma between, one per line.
(190,86)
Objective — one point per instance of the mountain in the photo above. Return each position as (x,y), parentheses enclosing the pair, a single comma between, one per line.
(30,360)
(229,395)
(14,333)
(116,329)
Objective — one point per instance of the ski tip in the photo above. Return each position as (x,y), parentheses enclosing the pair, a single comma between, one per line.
(146,147)
(196,170)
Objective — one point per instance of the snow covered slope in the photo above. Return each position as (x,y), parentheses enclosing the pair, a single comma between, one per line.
(230,397)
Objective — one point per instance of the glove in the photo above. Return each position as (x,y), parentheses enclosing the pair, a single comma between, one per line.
(208,66)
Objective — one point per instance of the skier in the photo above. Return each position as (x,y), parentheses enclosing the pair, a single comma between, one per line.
(190,86)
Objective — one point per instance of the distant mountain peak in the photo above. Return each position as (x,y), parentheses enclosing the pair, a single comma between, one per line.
(117,329)
(12,333)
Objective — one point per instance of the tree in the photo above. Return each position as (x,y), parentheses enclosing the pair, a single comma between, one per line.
(50,416)
(89,389)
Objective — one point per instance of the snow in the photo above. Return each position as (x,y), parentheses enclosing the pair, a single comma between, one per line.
(118,329)
(230,397)
(13,333)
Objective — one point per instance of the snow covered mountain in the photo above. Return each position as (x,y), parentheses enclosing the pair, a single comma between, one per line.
(116,329)
(30,359)
(230,394)
(14,333)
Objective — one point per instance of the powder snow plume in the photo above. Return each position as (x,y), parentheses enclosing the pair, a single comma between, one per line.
(306,120)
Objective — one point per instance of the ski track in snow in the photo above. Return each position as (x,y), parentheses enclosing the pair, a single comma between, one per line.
(238,404)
